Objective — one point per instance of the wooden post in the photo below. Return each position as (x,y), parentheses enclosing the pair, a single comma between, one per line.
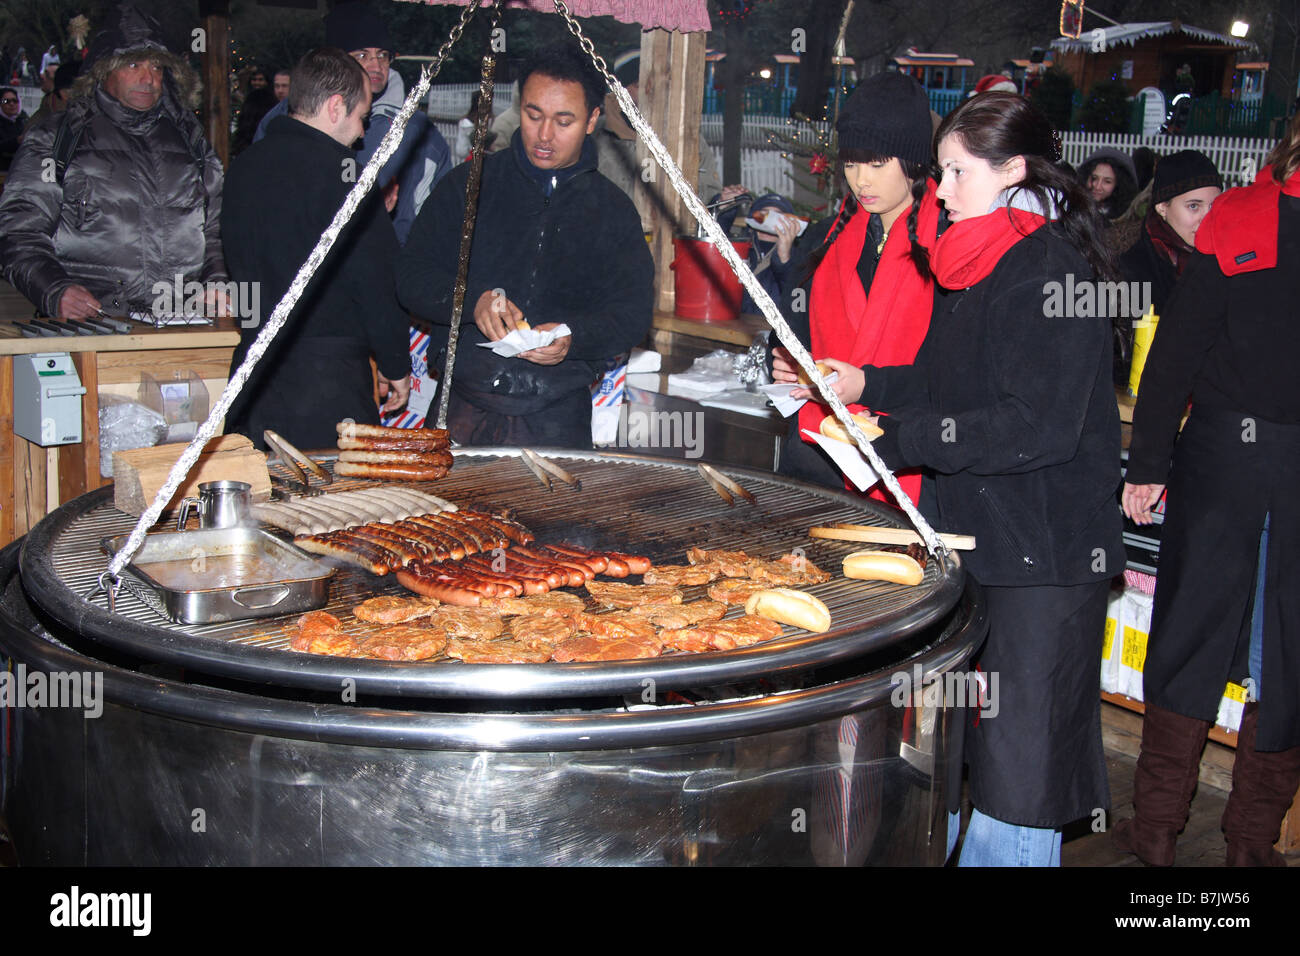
(216,74)
(671,97)
(78,465)
(7,441)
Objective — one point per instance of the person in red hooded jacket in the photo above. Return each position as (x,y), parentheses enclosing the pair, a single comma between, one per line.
(1223,606)
(871,289)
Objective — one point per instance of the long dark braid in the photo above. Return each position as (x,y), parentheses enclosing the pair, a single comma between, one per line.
(920,257)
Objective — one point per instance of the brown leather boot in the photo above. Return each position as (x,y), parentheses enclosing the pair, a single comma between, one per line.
(1263,786)
(1167,769)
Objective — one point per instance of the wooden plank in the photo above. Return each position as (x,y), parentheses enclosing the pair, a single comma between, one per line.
(653,89)
(224,334)
(738,331)
(29,485)
(124,368)
(138,474)
(6,450)
(77,467)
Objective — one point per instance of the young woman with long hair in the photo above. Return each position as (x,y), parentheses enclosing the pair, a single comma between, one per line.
(867,285)
(1009,402)
(1224,608)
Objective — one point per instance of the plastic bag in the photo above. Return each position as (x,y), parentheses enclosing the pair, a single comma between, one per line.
(123,425)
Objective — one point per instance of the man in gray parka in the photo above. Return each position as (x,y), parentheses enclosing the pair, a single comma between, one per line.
(120,193)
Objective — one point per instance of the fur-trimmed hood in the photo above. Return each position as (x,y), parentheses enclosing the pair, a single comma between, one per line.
(131,35)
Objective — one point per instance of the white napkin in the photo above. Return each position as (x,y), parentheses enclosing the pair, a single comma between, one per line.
(525,340)
(852,462)
(768,222)
(780,395)
(644,360)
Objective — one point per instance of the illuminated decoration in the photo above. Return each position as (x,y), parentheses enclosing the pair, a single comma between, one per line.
(1240,28)
(1071,24)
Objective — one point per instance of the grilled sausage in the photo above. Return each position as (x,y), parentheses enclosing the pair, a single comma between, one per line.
(356,430)
(421,459)
(388,472)
(444,591)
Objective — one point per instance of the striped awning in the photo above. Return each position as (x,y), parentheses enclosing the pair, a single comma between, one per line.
(686,16)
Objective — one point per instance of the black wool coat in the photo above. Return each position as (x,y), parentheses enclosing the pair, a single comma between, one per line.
(1230,344)
(1015,414)
(281,194)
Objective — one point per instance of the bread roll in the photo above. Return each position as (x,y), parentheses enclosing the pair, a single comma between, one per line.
(831,428)
(821,367)
(883,566)
(788,606)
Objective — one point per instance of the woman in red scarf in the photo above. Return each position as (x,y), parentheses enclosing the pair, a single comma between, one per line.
(1010,404)
(1225,605)
(871,290)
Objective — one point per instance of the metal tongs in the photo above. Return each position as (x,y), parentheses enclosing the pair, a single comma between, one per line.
(724,485)
(544,468)
(291,456)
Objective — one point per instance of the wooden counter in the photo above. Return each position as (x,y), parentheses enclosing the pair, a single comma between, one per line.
(35,480)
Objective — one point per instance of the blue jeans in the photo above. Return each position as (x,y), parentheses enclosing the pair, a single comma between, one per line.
(991,842)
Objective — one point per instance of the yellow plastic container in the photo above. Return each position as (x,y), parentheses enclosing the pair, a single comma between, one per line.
(1144,331)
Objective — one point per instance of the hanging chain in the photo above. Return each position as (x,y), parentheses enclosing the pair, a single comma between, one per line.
(181,469)
(481,121)
(756,291)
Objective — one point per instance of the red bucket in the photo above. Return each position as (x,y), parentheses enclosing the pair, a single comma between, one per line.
(706,288)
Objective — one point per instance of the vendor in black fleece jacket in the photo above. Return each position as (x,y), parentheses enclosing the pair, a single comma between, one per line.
(555,242)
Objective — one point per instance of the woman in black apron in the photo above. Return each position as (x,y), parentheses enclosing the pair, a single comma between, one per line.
(1010,405)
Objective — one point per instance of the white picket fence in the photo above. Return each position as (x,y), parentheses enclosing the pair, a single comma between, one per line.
(450,101)
(1237,158)
(765,169)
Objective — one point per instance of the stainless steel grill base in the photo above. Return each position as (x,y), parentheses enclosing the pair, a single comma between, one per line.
(216,746)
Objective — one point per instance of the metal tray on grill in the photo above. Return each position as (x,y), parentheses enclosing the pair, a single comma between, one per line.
(223,574)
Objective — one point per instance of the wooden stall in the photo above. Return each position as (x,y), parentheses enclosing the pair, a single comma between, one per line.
(34,480)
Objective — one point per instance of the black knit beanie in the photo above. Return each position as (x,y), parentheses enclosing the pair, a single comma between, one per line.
(354,26)
(888,115)
(1182,172)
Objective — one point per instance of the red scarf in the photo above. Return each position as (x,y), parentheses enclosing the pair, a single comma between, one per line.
(883,327)
(970,248)
(1167,242)
(1240,230)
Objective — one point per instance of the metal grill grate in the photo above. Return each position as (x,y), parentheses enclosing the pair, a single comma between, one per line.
(640,505)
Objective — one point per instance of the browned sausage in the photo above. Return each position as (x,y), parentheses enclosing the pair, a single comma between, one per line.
(354,469)
(443,591)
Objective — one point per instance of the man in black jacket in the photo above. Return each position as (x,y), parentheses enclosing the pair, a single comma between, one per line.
(281,194)
(555,243)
